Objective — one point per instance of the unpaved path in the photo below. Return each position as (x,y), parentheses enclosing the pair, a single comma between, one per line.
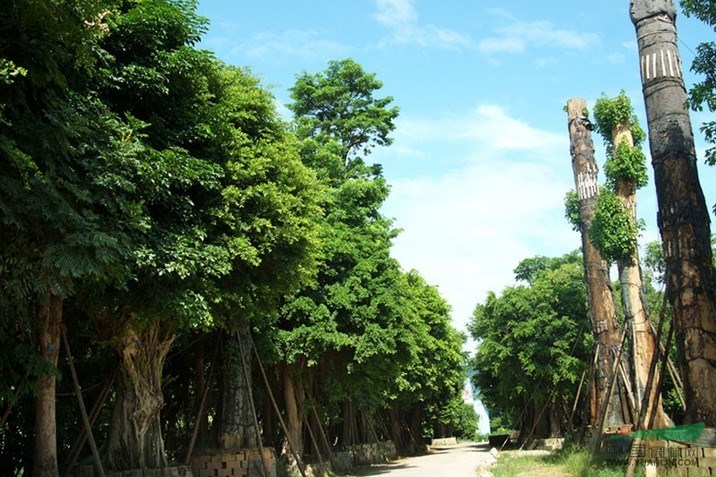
(454,461)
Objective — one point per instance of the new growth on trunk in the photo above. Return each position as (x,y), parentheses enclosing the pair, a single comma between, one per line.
(602,308)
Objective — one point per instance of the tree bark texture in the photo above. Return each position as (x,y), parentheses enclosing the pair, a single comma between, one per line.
(633,302)
(49,323)
(350,424)
(600,296)
(237,429)
(683,216)
(293,398)
(135,437)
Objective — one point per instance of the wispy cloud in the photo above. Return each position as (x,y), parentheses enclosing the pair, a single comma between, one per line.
(488,126)
(518,36)
(295,43)
(503,203)
(402,19)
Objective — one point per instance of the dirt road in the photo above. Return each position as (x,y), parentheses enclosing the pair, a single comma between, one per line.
(457,461)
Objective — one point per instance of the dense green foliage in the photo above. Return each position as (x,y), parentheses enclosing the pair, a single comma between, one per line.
(571,210)
(624,162)
(614,230)
(534,343)
(704,92)
(154,189)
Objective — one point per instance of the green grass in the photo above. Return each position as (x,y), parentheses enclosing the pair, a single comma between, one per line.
(570,462)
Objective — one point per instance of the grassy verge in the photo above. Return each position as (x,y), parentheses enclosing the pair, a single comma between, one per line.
(570,462)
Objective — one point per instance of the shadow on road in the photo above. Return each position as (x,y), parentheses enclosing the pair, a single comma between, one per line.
(384,469)
(381,469)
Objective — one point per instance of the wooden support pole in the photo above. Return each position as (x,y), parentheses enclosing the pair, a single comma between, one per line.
(247,380)
(588,399)
(315,445)
(6,414)
(631,467)
(94,414)
(576,401)
(324,438)
(83,410)
(291,448)
(612,381)
(202,405)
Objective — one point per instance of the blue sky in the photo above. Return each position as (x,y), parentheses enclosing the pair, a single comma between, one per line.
(480,162)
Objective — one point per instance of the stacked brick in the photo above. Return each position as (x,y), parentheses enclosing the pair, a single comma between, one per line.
(240,463)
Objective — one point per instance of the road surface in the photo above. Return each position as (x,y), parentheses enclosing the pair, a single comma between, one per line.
(454,461)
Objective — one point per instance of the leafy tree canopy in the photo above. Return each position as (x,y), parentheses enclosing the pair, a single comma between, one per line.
(704,92)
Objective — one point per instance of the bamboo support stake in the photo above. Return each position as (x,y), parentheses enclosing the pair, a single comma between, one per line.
(202,405)
(83,410)
(94,414)
(610,390)
(631,468)
(299,462)
(244,366)
(576,400)
(315,446)
(324,438)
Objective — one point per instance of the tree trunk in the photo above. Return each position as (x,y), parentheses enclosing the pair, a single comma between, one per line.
(49,322)
(635,313)
(602,309)
(395,426)
(294,410)
(683,216)
(350,426)
(135,435)
(237,429)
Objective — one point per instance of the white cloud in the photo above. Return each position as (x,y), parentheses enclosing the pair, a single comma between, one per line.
(519,35)
(401,17)
(294,43)
(396,13)
(467,228)
(488,125)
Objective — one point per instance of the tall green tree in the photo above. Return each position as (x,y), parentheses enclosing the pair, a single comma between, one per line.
(342,328)
(534,343)
(65,192)
(230,208)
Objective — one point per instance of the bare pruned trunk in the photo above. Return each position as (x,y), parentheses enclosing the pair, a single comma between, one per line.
(135,438)
(237,429)
(683,216)
(49,322)
(633,302)
(602,308)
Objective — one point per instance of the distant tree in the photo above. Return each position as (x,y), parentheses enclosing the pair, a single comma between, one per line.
(339,104)
(534,343)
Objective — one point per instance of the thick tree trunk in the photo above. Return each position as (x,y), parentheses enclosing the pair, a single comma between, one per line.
(49,322)
(237,429)
(135,436)
(683,216)
(635,313)
(395,428)
(292,393)
(602,308)
(350,425)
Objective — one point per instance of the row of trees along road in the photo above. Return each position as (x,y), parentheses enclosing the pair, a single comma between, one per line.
(153,202)
(621,391)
